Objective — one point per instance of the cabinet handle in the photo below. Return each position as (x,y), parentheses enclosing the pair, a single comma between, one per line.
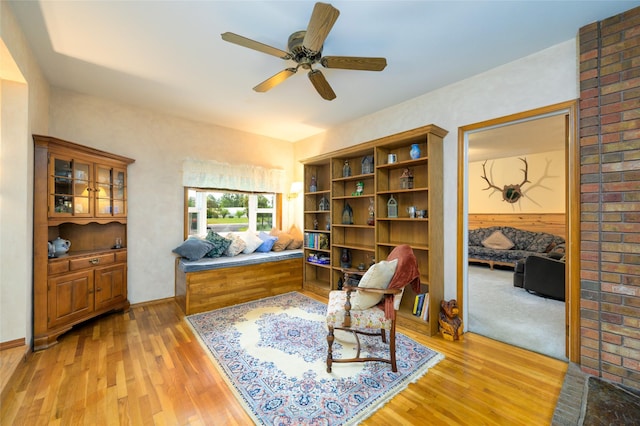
(94,261)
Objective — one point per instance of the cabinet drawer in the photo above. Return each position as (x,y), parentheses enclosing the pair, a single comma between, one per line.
(58,267)
(121,256)
(91,261)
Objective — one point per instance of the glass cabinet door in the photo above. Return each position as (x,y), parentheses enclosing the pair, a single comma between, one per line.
(70,188)
(110,191)
(119,192)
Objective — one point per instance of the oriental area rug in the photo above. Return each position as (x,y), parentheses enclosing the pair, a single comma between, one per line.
(272,353)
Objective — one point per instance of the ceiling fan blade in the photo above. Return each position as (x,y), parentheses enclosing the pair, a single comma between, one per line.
(354,63)
(321,84)
(273,81)
(322,19)
(255,45)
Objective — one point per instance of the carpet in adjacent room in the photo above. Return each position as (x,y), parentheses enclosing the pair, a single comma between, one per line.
(509,314)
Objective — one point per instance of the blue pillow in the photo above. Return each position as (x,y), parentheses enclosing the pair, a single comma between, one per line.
(219,244)
(267,242)
(193,248)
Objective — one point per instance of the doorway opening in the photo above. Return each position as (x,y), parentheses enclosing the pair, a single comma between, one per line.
(536,151)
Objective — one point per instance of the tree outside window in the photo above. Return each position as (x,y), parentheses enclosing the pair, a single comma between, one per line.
(229,211)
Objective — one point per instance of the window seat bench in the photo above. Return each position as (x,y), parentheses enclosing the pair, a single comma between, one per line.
(207,284)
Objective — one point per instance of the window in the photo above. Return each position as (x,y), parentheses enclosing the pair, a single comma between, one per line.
(229,211)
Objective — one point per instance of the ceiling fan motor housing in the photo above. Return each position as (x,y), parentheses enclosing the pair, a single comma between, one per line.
(302,55)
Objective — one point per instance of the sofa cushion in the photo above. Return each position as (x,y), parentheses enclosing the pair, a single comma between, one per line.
(477,235)
(497,240)
(540,243)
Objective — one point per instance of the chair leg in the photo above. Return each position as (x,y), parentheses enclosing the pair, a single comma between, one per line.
(392,347)
(330,339)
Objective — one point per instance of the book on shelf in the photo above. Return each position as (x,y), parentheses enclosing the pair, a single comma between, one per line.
(425,307)
(323,241)
(316,240)
(421,306)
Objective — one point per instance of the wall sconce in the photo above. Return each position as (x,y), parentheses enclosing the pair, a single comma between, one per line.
(296,188)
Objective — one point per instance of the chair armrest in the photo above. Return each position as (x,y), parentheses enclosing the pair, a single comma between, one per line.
(383,291)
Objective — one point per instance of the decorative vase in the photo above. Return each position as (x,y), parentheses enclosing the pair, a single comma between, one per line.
(415,151)
(313,187)
(345,259)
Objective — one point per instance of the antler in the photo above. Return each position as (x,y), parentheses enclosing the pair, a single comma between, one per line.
(526,169)
(487,179)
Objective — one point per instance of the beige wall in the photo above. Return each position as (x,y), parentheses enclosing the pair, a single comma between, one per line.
(544,78)
(24,99)
(159,143)
(543,194)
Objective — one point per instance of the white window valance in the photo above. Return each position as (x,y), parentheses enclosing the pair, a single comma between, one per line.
(239,177)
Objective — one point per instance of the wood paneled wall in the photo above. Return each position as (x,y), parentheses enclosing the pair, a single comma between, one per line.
(552,223)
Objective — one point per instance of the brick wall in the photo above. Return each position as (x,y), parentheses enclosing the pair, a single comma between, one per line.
(610,198)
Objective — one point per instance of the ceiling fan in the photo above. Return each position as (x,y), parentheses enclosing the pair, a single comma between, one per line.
(305,48)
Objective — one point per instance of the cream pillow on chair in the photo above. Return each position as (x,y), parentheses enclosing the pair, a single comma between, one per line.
(377,276)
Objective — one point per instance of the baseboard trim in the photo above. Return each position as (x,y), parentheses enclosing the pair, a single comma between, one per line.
(12,344)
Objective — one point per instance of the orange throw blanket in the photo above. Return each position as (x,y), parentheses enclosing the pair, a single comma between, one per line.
(407,272)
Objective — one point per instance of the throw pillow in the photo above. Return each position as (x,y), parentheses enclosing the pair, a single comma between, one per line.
(220,244)
(377,276)
(193,248)
(267,242)
(251,240)
(283,240)
(498,241)
(297,236)
(236,246)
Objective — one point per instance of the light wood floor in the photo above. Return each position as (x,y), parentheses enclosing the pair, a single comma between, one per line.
(146,367)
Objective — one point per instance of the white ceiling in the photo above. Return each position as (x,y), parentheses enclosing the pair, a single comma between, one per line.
(168,55)
(521,138)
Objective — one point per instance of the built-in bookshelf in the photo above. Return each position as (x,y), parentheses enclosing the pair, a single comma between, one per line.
(317,227)
(360,182)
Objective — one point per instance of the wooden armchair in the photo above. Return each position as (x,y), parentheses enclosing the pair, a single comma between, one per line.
(370,322)
(372,319)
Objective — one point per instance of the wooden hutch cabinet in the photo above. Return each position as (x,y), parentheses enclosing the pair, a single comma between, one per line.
(382,179)
(80,195)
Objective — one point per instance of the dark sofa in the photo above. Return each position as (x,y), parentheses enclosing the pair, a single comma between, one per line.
(542,275)
(525,243)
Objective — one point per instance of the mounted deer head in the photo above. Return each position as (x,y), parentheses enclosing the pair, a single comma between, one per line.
(510,193)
